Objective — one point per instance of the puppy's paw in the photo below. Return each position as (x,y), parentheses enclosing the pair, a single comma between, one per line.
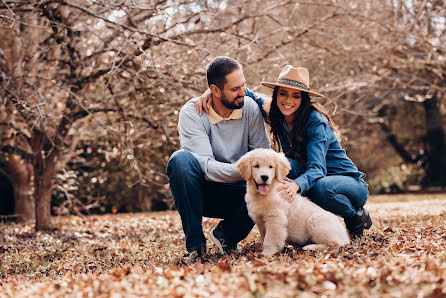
(314,247)
(269,251)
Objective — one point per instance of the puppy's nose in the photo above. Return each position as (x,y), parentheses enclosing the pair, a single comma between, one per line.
(264,177)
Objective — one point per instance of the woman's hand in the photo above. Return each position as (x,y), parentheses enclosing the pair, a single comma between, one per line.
(288,190)
(204,102)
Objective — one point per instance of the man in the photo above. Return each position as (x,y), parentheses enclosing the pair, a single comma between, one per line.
(202,177)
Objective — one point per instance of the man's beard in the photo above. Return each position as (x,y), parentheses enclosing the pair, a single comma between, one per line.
(231,104)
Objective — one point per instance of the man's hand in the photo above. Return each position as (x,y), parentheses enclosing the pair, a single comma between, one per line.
(288,190)
(204,102)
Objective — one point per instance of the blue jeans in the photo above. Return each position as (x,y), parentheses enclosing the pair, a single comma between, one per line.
(341,195)
(196,197)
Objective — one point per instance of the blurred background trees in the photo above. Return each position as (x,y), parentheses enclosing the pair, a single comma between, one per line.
(91,90)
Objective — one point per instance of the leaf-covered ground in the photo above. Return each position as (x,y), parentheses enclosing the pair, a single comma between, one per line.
(403,255)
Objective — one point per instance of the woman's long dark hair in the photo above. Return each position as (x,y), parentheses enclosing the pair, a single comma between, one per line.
(297,151)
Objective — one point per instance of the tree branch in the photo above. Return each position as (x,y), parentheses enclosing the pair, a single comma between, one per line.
(17,130)
(123,26)
(84,113)
(13,150)
(397,146)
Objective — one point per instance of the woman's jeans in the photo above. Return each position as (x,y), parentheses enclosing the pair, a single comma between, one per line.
(341,195)
(196,197)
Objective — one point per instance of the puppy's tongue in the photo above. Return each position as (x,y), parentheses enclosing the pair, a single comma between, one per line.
(263,188)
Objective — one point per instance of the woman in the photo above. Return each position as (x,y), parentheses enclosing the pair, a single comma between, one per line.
(321,170)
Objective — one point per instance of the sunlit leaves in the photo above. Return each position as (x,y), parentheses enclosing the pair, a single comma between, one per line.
(140,255)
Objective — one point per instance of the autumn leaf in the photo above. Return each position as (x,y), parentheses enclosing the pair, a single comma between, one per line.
(140,255)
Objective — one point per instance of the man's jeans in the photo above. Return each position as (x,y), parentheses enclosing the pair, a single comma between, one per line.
(196,197)
(341,195)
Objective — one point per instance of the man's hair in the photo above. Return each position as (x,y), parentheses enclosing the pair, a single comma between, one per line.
(219,68)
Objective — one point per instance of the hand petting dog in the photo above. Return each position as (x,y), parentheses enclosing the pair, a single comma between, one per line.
(288,190)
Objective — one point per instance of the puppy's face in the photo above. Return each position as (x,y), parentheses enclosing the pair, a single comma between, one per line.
(262,166)
(263,172)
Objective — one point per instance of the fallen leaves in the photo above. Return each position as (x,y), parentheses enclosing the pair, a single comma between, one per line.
(258,263)
(138,255)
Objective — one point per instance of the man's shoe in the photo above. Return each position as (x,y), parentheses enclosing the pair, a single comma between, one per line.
(355,231)
(224,245)
(364,217)
(358,222)
(194,256)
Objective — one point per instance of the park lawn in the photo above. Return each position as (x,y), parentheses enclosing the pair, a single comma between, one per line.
(403,255)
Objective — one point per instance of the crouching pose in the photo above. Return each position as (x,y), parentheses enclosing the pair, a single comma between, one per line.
(202,176)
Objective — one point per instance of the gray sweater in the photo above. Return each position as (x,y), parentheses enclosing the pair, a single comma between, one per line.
(218,146)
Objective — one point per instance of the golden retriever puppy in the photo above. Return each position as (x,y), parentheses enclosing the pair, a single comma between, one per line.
(300,222)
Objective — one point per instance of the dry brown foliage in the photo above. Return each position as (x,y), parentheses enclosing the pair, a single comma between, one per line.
(403,255)
(117,73)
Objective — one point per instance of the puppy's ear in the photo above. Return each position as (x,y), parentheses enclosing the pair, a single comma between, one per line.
(243,165)
(283,166)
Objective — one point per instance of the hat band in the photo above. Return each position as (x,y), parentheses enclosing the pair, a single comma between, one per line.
(292,83)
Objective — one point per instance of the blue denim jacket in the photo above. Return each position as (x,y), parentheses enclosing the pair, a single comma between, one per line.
(325,155)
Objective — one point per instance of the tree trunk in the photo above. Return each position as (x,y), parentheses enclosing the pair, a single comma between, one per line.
(44,177)
(24,203)
(435,144)
(43,186)
(20,176)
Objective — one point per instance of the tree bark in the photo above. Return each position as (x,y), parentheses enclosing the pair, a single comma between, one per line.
(43,188)
(44,179)
(20,176)
(435,144)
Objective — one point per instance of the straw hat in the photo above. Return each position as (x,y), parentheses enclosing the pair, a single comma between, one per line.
(295,78)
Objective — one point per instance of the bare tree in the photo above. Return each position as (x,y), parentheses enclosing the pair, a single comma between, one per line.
(370,58)
(125,66)
(66,61)
(85,70)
